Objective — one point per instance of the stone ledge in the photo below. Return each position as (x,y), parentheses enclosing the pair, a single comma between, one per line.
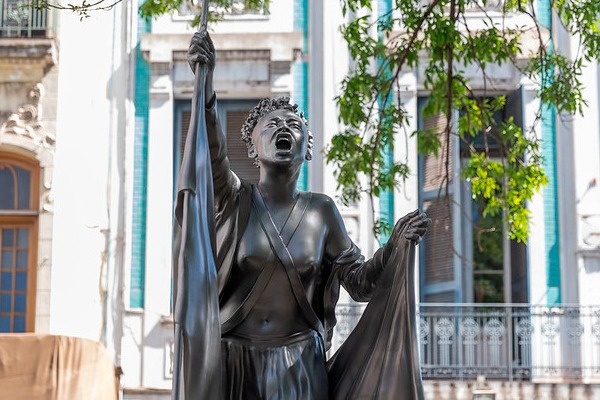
(41,54)
(26,47)
(282,46)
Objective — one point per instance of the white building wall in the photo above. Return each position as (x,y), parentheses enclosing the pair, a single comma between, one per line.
(565,159)
(89,180)
(81,175)
(406,199)
(536,252)
(586,134)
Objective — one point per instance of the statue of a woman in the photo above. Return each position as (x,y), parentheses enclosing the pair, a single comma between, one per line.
(281,254)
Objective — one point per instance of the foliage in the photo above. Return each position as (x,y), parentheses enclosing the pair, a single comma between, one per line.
(216,10)
(439,36)
(82,9)
(154,8)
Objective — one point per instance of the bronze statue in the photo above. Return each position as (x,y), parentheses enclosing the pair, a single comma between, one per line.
(281,256)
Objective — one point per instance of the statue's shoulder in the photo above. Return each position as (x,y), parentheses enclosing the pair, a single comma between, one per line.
(321,202)
(319,198)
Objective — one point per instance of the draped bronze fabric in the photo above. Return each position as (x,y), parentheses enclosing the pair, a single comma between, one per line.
(197,364)
(380,358)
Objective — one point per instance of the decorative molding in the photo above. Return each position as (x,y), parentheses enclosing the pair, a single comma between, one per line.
(47,200)
(159,47)
(25,123)
(23,130)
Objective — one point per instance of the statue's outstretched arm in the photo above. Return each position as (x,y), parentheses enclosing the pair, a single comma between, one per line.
(360,277)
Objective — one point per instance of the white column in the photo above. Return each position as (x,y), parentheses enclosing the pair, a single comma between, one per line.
(535,246)
(405,150)
(159,214)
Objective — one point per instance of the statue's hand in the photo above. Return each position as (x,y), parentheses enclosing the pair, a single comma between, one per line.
(202,51)
(413,226)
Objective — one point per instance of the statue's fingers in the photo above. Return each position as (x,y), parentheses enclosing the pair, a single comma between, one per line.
(192,53)
(411,231)
(415,222)
(196,40)
(192,57)
(397,230)
(420,219)
(400,225)
(210,43)
(199,52)
(421,223)
(205,45)
(421,231)
(198,59)
(200,37)
(195,47)
(413,237)
(406,219)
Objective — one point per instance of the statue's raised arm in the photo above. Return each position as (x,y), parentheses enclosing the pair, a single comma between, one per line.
(225,182)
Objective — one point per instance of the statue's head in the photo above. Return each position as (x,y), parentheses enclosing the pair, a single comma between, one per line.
(285,128)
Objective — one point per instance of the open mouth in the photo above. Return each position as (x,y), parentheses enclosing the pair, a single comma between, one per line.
(283,141)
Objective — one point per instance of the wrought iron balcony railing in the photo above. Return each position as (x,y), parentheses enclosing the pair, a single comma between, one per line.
(501,341)
(474,5)
(22,18)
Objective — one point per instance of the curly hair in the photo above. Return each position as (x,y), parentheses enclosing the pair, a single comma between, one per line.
(264,107)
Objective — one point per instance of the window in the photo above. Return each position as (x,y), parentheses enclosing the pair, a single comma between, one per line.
(235,9)
(232,114)
(19,179)
(488,255)
(440,279)
(19,18)
(467,256)
(499,264)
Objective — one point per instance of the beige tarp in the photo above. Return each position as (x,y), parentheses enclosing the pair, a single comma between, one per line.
(48,367)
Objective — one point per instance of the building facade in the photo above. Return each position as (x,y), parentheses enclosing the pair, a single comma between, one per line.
(64,116)
(93,114)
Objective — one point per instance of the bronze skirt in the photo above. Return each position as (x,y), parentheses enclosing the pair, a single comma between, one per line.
(271,370)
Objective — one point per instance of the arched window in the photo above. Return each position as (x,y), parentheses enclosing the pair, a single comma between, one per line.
(19,187)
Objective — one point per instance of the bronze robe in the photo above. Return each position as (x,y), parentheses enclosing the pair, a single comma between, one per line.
(232,209)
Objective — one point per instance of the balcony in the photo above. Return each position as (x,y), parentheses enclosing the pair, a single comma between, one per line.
(474,5)
(22,19)
(514,342)
(28,48)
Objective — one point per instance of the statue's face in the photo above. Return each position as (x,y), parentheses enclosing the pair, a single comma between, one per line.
(281,138)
